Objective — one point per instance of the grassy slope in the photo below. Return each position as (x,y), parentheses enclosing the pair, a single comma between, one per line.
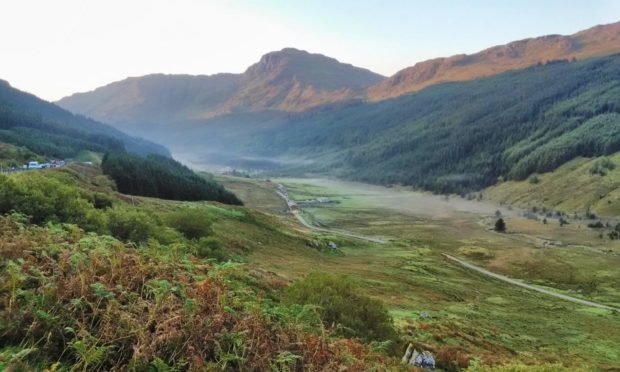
(16,156)
(469,314)
(570,188)
(91,302)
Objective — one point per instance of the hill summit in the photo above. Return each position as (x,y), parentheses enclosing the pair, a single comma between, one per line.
(286,80)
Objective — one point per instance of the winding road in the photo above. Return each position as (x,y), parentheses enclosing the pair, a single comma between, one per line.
(527,286)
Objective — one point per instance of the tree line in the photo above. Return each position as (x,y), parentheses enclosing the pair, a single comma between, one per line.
(162,177)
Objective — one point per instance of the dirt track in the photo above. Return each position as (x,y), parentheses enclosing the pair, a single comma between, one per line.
(527,286)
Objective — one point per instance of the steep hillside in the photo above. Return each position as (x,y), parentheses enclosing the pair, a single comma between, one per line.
(47,129)
(287,80)
(579,186)
(452,137)
(596,41)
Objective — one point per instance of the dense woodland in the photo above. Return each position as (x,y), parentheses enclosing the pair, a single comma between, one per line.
(48,130)
(161,177)
(457,137)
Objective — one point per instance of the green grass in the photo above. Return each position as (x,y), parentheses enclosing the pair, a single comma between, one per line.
(588,191)
(485,318)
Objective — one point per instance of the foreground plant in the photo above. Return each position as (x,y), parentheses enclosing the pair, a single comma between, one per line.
(93,303)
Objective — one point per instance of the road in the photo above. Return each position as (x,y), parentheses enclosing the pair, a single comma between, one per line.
(297,213)
(347,234)
(463,263)
(527,286)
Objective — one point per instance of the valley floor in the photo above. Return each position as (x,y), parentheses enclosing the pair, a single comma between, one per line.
(443,304)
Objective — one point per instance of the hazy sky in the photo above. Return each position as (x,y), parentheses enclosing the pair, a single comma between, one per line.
(55,48)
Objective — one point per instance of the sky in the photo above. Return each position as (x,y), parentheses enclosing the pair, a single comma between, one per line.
(56,48)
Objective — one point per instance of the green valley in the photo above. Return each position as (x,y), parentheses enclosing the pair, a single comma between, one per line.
(301,213)
(447,308)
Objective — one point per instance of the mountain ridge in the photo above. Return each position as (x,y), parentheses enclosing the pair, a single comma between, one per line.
(286,80)
(294,80)
(595,41)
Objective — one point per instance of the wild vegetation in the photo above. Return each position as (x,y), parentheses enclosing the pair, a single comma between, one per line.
(16,156)
(94,282)
(162,177)
(340,303)
(89,302)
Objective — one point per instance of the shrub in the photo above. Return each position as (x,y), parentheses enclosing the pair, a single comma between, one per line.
(194,223)
(101,201)
(130,225)
(500,225)
(342,307)
(602,167)
(210,247)
(44,199)
(596,225)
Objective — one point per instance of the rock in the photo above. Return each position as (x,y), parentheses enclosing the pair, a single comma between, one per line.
(423,360)
(408,353)
(415,357)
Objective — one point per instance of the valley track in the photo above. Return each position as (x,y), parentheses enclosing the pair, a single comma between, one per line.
(347,234)
(297,213)
(527,286)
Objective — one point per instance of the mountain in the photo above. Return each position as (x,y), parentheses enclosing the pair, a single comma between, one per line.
(293,80)
(49,130)
(451,137)
(287,80)
(596,41)
(156,98)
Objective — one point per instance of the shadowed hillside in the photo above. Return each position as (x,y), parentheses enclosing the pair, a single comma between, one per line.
(287,80)
(47,129)
(454,137)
